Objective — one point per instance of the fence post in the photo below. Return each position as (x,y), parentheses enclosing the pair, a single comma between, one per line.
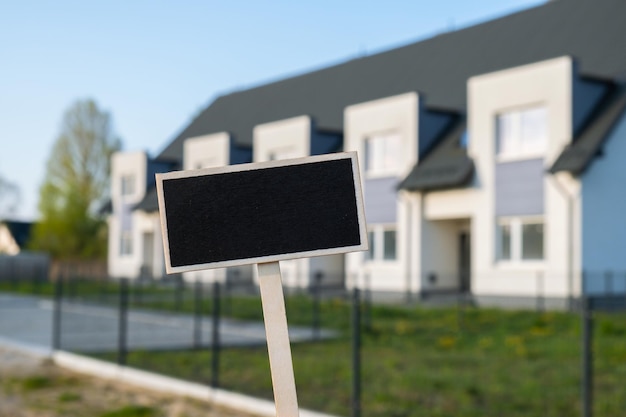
(178,293)
(56,316)
(123,322)
(608,283)
(13,273)
(197,315)
(316,304)
(368,302)
(587,357)
(356,353)
(137,299)
(215,339)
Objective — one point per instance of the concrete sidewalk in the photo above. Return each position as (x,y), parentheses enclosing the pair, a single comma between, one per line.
(94,328)
(26,325)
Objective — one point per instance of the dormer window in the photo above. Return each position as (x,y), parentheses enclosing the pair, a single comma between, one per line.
(282,153)
(522,133)
(128,184)
(382,154)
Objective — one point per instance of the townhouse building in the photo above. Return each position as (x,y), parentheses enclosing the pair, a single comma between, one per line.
(490,158)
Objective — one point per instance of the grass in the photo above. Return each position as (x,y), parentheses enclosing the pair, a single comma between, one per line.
(415,361)
(35,382)
(131,411)
(427,362)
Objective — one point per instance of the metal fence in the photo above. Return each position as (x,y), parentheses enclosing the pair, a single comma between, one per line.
(405,359)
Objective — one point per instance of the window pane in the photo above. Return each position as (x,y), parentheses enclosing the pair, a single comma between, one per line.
(534,128)
(392,151)
(126,243)
(505,133)
(128,184)
(532,241)
(390,244)
(382,152)
(505,241)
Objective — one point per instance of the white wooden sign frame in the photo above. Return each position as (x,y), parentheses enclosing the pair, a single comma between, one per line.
(255,166)
(272,298)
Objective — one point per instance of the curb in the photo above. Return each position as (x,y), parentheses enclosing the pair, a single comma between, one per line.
(168,385)
(152,381)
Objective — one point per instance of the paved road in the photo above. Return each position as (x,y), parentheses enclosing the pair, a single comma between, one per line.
(94,328)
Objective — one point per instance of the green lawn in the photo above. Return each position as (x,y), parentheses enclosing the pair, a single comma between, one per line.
(416,361)
(427,362)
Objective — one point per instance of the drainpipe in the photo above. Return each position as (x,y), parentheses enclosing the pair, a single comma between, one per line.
(569,198)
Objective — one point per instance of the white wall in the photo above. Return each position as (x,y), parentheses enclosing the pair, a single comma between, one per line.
(206,151)
(289,137)
(604,214)
(548,83)
(134,163)
(398,114)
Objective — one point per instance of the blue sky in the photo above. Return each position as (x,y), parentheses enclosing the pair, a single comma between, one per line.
(155,64)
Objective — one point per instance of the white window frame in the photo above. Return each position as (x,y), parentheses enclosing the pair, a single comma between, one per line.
(520,145)
(382,154)
(127,185)
(516,224)
(126,243)
(285,152)
(376,236)
(210,162)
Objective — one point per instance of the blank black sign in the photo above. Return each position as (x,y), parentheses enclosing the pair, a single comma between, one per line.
(261,212)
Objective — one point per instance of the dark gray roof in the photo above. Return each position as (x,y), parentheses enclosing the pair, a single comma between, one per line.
(446,166)
(149,203)
(21,231)
(593,31)
(576,157)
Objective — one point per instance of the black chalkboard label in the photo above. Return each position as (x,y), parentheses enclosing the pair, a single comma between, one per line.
(263,212)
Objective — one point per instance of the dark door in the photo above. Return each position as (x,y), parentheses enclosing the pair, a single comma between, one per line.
(464,262)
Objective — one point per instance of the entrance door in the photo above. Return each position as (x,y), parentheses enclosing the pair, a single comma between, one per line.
(464,262)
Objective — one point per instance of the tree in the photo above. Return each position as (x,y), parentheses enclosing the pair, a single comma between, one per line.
(76,185)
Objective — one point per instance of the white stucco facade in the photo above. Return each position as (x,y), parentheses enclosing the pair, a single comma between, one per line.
(135,245)
(394,116)
(548,84)
(469,239)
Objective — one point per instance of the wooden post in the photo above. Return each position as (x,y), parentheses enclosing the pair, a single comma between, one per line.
(277,335)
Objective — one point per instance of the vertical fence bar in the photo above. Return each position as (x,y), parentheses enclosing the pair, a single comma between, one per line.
(215,339)
(13,273)
(178,293)
(56,316)
(356,353)
(368,302)
(197,315)
(608,283)
(587,357)
(122,322)
(137,291)
(316,304)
